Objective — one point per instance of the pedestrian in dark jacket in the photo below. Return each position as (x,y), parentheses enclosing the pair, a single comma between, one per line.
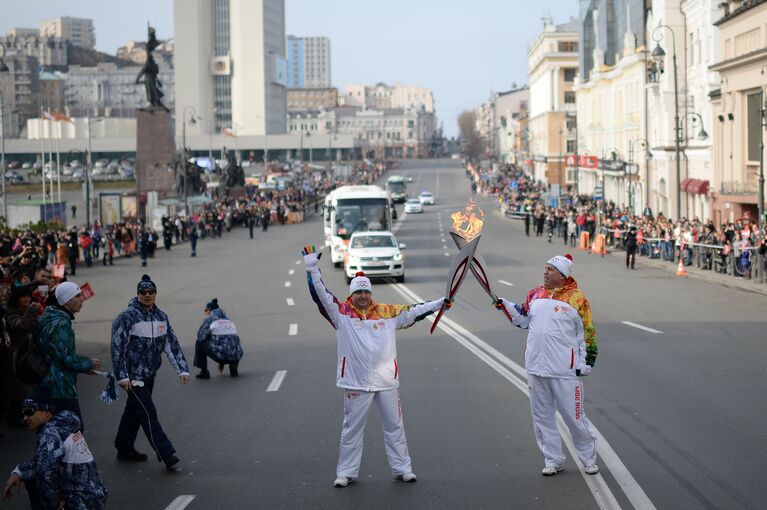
(251,223)
(631,248)
(57,339)
(22,322)
(217,339)
(192,234)
(73,251)
(62,473)
(140,335)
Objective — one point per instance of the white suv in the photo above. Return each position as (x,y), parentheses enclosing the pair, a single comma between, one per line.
(377,254)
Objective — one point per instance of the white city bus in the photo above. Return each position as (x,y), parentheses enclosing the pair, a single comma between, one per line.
(351,208)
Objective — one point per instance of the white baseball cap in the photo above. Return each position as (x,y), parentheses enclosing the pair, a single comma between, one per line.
(66,291)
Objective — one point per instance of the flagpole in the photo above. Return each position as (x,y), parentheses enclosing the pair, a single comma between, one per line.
(42,152)
(58,159)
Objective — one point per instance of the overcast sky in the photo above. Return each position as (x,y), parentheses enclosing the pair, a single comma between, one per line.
(460,50)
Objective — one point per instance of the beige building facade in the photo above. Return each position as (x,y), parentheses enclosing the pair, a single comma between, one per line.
(77,30)
(552,68)
(611,126)
(312,99)
(738,107)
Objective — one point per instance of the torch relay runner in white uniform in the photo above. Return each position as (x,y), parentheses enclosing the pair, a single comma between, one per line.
(367,366)
(561,350)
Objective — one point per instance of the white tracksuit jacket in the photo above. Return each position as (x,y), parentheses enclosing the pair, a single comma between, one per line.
(561,334)
(367,351)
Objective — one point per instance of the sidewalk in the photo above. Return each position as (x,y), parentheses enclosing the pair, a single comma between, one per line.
(693,272)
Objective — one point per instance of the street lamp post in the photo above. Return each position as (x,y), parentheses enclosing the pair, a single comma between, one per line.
(658,54)
(2,153)
(630,163)
(88,169)
(192,120)
(763,119)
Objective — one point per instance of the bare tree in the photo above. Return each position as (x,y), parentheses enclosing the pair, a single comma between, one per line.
(471,141)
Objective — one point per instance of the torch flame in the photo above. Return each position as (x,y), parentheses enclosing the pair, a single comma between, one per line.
(468,224)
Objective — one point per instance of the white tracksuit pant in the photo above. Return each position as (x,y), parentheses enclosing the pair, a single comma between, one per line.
(356,407)
(549,395)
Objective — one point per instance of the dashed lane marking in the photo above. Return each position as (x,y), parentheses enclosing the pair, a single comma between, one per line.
(506,283)
(292,271)
(639,326)
(180,502)
(290,302)
(287,284)
(279,376)
(293,330)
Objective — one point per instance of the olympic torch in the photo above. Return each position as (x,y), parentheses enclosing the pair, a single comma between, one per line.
(466,231)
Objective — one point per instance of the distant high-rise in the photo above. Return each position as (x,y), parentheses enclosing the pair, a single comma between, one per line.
(308,62)
(230,65)
(79,31)
(603,24)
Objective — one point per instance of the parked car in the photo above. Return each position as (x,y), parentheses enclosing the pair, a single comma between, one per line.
(413,205)
(78,174)
(75,163)
(377,254)
(127,172)
(26,165)
(13,165)
(13,177)
(426,198)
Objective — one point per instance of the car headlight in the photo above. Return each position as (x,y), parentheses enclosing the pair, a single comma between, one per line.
(397,256)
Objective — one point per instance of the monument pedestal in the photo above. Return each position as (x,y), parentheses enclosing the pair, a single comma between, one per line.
(155,151)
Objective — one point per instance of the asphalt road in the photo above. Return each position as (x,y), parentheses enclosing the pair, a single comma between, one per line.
(680,410)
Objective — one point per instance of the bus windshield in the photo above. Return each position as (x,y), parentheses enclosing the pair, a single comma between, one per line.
(396,187)
(360,214)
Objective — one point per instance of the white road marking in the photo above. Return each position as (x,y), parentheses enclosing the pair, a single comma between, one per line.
(447,254)
(298,262)
(279,376)
(495,359)
(292,271)
(293,330)
(180,502)
(287,284)
(290,302)
(399,223)
(506,283)
(639,326)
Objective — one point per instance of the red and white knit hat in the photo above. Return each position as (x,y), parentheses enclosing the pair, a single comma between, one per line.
(563,264)
(360,282)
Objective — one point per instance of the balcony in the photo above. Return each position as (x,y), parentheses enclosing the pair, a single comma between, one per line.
(739,188)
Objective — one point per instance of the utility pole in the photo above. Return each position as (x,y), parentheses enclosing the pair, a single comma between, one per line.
(763,120)
(2,159)
(88,169)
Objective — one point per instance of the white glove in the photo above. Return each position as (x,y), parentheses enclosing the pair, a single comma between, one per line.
(311,256)
(583,370)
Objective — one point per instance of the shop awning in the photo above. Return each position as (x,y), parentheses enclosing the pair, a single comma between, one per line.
(683,185)
(698,186)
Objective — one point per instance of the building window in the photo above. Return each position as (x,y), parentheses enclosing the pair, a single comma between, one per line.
(570,146)
(569,97)
(568,47)
(754,126)
(569,74)
(571,123)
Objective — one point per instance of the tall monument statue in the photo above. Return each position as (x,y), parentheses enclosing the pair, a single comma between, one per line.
(150,71)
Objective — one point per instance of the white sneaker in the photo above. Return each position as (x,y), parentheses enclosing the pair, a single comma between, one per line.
(591,470)
(342,481)
(407,477)
(551,470)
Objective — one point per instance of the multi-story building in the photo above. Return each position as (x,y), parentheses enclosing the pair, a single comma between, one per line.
(382,95)
(312,99)
(611,116)
(230,66)
(702,49)
(52,90)
(50,51)
(79,31)
(23,32)
(552,67)
(308,62)
(135,51)
(738,107)
(20,88)
(387,132)
(665,184)
(110,90)
(510,117)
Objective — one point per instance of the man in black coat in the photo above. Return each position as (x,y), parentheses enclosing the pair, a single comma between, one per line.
(631,248)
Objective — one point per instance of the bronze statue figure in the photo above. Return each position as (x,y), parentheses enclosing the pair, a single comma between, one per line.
(149,72)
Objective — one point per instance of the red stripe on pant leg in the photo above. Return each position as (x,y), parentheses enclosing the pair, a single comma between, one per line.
(396,368)
(343,366)
(572,357)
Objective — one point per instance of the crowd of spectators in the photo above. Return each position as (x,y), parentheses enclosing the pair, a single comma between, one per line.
(727,248)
